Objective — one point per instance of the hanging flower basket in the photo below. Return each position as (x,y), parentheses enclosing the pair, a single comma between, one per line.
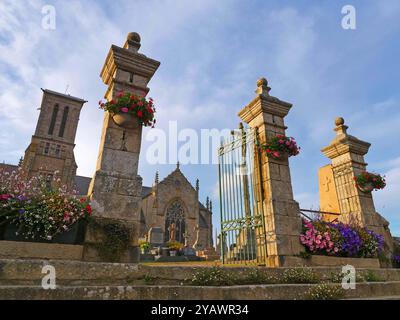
(130,110)
(278,146)
(367,182)
(125,120)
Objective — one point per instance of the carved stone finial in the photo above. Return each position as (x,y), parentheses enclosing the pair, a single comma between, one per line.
(262,87)
(178,165)
(339,121)
(340,128)
(197,184)
(133,36)
(133,41)
(208,203)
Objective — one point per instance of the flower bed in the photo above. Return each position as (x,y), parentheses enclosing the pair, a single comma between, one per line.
(339,239)
(277,146)
(137,107)
(36,210)
(367,181)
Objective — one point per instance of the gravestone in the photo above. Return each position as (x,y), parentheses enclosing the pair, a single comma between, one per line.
(156,236)
(189,251)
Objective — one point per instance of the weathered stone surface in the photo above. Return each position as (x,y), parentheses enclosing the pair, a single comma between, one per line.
(52,145)
(267,114)
(115,190)
(36,250)
(347,155)
(249,292)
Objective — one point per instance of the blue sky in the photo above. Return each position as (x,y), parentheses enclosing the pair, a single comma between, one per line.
(212,53)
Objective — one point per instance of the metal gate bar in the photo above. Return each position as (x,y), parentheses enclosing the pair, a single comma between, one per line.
(242,220)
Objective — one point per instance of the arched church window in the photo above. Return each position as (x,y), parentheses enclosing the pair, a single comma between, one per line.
(53,119)
(63,122)
(175,222)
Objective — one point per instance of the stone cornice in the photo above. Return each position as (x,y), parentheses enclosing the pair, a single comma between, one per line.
(263,103)
(129,61)
(345,144)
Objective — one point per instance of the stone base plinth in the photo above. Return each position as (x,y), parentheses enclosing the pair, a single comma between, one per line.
(325,261)
(111,240)
(37,250)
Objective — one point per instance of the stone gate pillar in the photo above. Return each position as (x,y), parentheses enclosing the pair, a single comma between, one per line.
(115,190)
(281,211)
(347,155)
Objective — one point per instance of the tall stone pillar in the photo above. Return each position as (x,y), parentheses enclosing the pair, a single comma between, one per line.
(281,211)
(347,155)
(115,190)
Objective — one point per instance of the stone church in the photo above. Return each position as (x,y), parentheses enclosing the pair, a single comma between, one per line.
(171,201)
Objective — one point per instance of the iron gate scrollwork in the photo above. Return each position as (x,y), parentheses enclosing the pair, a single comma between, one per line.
(243,237)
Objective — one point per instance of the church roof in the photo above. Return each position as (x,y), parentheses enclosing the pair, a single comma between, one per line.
(8,167)
(82,184)
(202,222)
(67,96)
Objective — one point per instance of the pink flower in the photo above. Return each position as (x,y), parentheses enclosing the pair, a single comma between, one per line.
(125,110)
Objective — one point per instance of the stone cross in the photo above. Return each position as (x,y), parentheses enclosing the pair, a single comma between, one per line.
(326,184)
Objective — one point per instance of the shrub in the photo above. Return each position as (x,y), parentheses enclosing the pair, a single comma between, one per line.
(324,291)
(370,276)
(116,240)
(38,207)
(300,275)
(144,245)
(214,276)
(255,276)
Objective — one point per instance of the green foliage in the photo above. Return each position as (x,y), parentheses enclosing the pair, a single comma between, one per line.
(324,291)
(256,276)
(149,280)
(375,180)
(214,276)
(300,275)
(337,277)
(116,241)
(175,245)
(39,207)
(370,276)
(144,245)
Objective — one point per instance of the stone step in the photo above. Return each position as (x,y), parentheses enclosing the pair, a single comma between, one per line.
(76,273)
(253,292)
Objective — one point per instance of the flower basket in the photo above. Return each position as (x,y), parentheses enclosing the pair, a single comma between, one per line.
(125,120)
(280,147)
(130,110)
(75,235)
(367,182)
(369,187)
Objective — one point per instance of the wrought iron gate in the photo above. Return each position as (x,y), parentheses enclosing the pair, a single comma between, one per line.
(243,238)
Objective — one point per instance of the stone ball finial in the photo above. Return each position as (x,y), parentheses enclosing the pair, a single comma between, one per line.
(339,121)
(262,82)
(133,36)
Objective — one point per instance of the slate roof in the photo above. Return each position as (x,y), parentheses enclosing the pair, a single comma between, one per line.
(67,96)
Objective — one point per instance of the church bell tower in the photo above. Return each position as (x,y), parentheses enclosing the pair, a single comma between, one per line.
(52,145)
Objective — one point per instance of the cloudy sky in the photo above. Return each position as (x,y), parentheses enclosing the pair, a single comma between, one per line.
(212,53)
